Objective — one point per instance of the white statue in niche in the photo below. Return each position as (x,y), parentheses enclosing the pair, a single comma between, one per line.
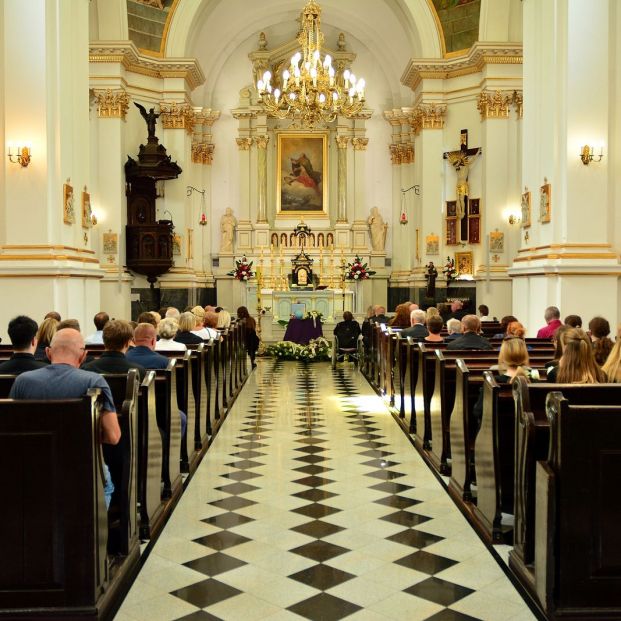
(377,229)
(228,224)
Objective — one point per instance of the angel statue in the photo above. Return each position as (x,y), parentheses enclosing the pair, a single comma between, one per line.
(150,119)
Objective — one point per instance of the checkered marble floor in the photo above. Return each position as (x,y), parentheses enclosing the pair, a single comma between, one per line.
(312,504)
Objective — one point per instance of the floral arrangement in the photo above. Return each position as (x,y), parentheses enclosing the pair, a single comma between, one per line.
(317,349)
(315,316)
(449,269)
(243,270)
(357,270)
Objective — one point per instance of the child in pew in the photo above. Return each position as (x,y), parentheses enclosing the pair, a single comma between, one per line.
(577,364)
(513,361)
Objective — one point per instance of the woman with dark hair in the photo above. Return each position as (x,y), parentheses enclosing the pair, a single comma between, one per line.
(573,321)
(504,324)
(599,329)
(434,327)
(347,331)
(402,316)
(252,339)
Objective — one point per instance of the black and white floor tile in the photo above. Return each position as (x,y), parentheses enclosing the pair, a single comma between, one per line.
(312,504)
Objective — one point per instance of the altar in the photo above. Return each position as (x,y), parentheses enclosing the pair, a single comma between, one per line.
(331,303)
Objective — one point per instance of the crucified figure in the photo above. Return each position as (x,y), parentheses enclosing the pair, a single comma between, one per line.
(461,162)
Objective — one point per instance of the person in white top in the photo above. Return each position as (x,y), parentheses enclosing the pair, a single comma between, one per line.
(100,320)
(200,329)
(484,313)
(167,331)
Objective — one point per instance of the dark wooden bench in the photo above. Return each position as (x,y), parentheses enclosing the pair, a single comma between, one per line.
(577,562)
(54,537)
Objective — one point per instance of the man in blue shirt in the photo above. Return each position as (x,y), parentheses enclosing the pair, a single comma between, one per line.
(143,354)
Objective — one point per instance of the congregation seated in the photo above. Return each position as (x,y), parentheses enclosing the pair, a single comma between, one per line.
(612,366)
(453,327)
(470,338)
(172,313)
(457,310)
(417,330)
(224,319)
(53,315)
(484,313)
(432,311)
(504,324)
(599,329)
(577,364)
(199,325)
(74,324)
(167,331)
(402,316)
(210,324)
(552,315)
(23,334)
(559,343)
(434,326)
(144,351)
(147,317)
(117,338)
(187,323)
(379,315)
(573,321)
(100,320)
(46,332)
(347,331)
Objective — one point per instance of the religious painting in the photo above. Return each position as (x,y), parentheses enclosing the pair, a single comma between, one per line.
(68,209)
(110,242)
(474,221)
(451,223)
(526,209)
(545,205)
(176,244)
(302,183)
(496,241)
(87,213)
(464,263)
(432,245)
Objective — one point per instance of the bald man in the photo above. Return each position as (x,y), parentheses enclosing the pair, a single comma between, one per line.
(63,379)
(470,337)
(144,353)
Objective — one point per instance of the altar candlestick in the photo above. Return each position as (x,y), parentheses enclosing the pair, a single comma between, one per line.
(320,264)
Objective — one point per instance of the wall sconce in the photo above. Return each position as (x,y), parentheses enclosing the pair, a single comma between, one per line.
(587,154)
(513,217)
(19,155)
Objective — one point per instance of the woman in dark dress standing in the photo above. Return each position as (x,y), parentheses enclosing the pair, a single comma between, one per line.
(252,339)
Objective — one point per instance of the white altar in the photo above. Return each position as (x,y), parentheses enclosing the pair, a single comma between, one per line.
(331,303)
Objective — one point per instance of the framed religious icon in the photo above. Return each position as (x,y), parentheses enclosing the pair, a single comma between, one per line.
(432,245)
(176,244)
(474,221)
(545,204)
(464,263)
(68,208)
(496,241)
(451,223)
(110,242)
(87,213)
(302,169)
(526,209)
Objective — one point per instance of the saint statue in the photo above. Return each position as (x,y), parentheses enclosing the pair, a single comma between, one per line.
(377,229)
(461,162)
(228,224)
(431,275)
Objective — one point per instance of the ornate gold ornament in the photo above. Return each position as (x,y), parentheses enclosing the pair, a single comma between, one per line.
(261,141)
(310,90)
(518,103)
(177,115)
(112,104)
(202,153)
(494,105)
(427,116)
(395,154)
(342,142)
(360,144)
(243,144)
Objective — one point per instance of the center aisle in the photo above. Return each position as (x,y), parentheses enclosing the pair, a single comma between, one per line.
(312,504)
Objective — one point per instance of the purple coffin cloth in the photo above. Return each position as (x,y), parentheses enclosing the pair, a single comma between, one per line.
(301,331)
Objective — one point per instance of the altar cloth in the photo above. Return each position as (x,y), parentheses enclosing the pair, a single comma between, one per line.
(301,331)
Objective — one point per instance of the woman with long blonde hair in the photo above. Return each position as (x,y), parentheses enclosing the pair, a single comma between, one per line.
(612,367)
(577,364)
(45,333)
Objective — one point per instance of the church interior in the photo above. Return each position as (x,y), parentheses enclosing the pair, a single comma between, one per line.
(306,159)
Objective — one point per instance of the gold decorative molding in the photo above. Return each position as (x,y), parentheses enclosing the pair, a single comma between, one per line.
(518,103)
(177,115)
(111,104)
(127,54)
(261,141)
(494,105)
(206,116)
(244,113)
(479,55)
(401,153)
(342,142)
(202,153)
(360,144)
(243,144)
(428,116)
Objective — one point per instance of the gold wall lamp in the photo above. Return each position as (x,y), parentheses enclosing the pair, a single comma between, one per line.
(19,155)
(587,154)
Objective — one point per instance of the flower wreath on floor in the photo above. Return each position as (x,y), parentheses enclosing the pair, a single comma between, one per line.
(314,315)
(317,349)
(243,270)
(357,270)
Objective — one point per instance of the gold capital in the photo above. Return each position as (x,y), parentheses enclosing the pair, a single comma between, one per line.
(112,104)
(177,115)
(342,141)
(494,105)
(243,144)
(261,141)
(360,144)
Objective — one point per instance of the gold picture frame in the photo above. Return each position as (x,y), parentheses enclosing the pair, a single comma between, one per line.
(176,244)
(87,213)
(496,241)
(545,202)
(432,245)
(110,242)
(302,175)
(68,208)
(526,209)
(464,263)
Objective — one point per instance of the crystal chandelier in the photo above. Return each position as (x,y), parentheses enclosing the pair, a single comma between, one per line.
(310,89)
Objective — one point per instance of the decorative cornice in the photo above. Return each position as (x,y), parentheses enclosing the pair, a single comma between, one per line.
(479,55)
(363,115)
(360,144)
(202,153)
(206,116)
(342,142)
(261,141)
(177,115)
(428,116)
(127,54)
(243,144)
(245,113)
(111,104)
(494,105)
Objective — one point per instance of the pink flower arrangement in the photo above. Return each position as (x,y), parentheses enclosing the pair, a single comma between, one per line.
(357,270)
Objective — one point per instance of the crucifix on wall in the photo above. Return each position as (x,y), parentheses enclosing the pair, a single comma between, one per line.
(464,217)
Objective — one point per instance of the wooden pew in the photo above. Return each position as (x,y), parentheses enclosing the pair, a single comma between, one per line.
(532,439)
(121,459)
(577,567)
(54,544)
(196,436)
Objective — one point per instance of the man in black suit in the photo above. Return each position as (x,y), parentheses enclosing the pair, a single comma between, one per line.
(470,338)
(417,329)
(23,334)
(457,310)
(117,336)
(379,315)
